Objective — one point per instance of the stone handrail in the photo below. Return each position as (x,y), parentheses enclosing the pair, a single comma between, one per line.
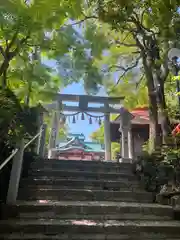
(9,158)
(17,156)
(14,152)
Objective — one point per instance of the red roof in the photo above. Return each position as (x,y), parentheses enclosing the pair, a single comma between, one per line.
(141,115)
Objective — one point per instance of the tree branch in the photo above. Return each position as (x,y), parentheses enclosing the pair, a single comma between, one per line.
(125,44)
(125,70)
(81,21)
(138,43)
(10,55)
(142,16)
(139,23)
(12,41)
(140,80)
(2,51)
(16,50)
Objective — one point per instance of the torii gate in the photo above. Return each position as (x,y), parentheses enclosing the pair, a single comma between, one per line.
(106,109)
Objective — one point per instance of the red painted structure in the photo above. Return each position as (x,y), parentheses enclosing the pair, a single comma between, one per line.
(76,148)
(176,130)
(140,128)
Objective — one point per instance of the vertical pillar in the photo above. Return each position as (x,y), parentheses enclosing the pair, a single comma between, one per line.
(52,136)
(42,141)
(58,109)
(107,137)
(130,143)
(54,132)
(40,123)
(126,137)
(15,174)
(124,143)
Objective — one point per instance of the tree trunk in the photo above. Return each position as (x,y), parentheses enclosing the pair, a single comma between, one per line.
(4,66)
(164,118)
(154,136)
(3,73)
(4,80)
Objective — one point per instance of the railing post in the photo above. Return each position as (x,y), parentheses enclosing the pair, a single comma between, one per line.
(40,123)
(54,132)
(42,141)
(15,174)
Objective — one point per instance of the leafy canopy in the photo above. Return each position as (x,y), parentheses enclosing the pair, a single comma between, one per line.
(29,27)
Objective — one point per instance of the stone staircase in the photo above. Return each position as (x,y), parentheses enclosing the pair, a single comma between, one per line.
(76,200)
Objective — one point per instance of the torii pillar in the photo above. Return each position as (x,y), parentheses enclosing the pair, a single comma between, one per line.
(107,137)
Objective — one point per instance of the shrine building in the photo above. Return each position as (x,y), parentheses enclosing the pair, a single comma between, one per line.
(74,147)
(139,130)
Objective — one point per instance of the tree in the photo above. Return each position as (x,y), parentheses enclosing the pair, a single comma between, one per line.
(26,25)
(78,64)
(31,33)
(139,35)
(33,79)
(15,120)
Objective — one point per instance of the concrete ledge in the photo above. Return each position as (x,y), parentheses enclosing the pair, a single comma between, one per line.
(125,160)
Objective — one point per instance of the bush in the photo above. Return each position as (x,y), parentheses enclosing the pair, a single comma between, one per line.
(16,120)
(157,169)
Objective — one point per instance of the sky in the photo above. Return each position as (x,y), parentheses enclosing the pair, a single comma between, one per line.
(81,126)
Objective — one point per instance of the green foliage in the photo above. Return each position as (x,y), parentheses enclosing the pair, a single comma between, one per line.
(128,28)
(35,80)
(77,64)
(15,120)
(135,95)
(115,149)
(160,168)
(139,35)
(154,172)
(31,33)
(98,136)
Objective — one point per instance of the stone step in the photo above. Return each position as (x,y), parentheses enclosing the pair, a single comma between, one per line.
(97,217)
(68,236)
(86,227)
(83,165)
(84,195)
(83,162)
(81,174)
(54,183)
(90,210)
